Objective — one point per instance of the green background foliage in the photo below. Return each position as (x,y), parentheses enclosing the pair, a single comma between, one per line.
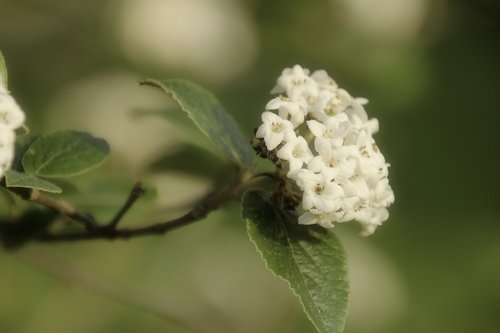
(433,267)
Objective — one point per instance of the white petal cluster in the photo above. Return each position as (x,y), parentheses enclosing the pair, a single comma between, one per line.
(11,118)
(323,137)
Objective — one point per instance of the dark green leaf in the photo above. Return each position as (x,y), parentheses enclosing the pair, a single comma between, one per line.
(64,154)
(20,179)
(207,113)
(310,258)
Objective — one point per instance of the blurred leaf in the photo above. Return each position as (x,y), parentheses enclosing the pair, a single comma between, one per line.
(3,71)
(310,258)
(207,113)
(20,179)
(64,154)
(194,160)
(14,234)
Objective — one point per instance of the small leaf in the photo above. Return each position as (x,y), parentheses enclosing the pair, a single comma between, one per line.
(310,258)
(3,72)
(207,113)
(64,154)
(21,179)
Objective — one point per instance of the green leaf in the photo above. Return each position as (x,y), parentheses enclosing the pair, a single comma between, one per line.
(20,179)
(310,258)
(23,142)
(207,113)
(3,71)
(64,154)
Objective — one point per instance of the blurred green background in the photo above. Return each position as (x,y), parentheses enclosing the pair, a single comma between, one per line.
(431,70)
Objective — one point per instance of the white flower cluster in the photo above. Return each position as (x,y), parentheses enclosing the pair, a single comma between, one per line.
(325,137)
(11,118)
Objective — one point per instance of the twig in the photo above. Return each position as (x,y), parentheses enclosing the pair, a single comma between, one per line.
(207,205)
(110,230)
(136,192)
(63,208)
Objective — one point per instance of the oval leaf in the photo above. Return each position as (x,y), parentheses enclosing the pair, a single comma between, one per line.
(21,179)
(64,154)
(310,258)
(207,113)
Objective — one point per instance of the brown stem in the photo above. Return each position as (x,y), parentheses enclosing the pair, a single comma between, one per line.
(207,205)
(63,208)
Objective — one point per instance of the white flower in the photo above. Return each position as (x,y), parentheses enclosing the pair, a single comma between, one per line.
(358,187)
(337,102)
(382,194)
(296,151)
(339,163)
(332,132)
(359,118)
(274,130)
(343,176)
(11,118)
(327,219)
(371,162)
(324,81)
(7,139)
(11,114)
(318,103)
(294,82)
(6,158)
(314,217)
(370,218)
(286,107)
(319,191)
(340,102)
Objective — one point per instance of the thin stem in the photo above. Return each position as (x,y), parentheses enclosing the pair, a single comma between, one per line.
(136,192)
(110,230)
(207,205)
